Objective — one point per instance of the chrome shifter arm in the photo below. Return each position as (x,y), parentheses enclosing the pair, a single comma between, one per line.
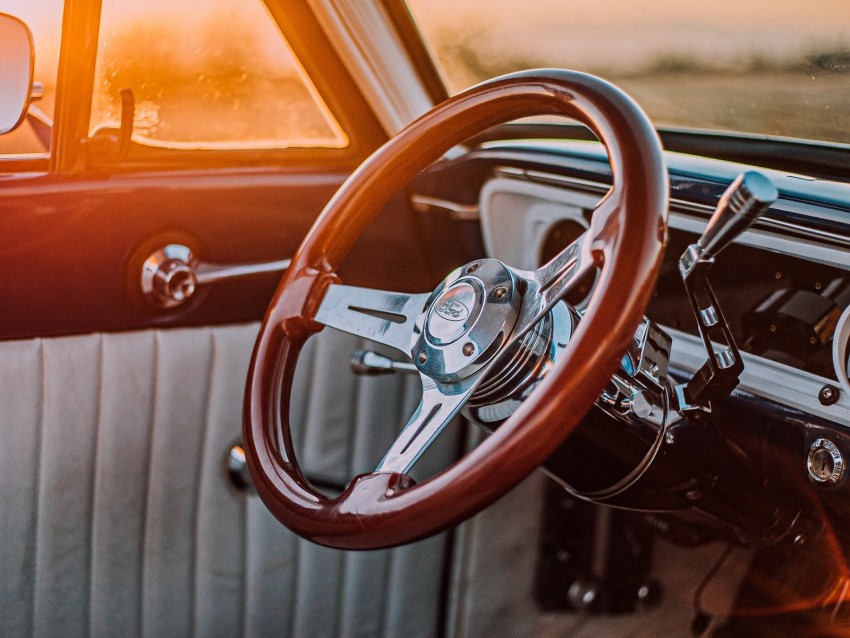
(746,199)
(718,376)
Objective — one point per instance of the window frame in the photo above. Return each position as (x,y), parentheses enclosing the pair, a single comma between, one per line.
(73,151)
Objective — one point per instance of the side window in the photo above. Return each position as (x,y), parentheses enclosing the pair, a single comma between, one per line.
(44,18)
(206,74)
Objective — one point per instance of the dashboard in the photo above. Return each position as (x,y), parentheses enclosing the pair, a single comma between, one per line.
(783,286)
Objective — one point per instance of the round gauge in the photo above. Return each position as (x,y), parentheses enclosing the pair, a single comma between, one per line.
(841,350)
(825,462)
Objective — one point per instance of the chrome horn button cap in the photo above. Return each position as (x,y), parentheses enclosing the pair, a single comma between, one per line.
(454,312)
(467,320)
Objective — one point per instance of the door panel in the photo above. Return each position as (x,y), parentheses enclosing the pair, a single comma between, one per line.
(115,513)
(71,252)
(118,518)
(67,245)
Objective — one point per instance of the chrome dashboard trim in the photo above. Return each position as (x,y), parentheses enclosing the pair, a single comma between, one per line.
(758,238)
(680,205)
(767,379)
(805,231)
(575,192)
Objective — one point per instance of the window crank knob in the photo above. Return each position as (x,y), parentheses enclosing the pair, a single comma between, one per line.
(176,281)
(171,275)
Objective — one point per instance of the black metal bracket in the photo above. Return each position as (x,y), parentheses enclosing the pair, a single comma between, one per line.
(593,559)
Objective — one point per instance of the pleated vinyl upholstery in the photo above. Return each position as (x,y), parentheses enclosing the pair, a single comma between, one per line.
(116,518)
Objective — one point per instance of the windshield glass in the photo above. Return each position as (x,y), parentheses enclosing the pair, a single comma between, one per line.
(771,67)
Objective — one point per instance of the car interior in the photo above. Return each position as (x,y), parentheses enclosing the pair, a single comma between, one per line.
(444,319)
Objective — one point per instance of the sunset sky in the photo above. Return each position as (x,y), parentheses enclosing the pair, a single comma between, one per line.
(607,32)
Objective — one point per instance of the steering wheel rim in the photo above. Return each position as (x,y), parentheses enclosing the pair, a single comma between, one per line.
(381,509)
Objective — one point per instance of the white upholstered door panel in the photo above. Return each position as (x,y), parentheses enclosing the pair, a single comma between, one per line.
(116,518)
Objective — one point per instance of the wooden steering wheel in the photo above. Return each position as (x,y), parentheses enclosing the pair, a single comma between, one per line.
(455,334)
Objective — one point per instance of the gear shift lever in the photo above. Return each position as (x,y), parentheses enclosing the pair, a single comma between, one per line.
(746,199)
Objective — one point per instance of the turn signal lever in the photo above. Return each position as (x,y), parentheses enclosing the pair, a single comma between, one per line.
(746,199)
(371,363)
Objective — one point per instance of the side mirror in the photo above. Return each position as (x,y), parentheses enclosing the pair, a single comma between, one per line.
(16,66)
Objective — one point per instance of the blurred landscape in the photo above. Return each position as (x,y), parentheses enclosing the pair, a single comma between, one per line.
(805,96)
(228,81)
(763,66)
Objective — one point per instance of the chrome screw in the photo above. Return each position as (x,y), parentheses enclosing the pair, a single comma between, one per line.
(828,395)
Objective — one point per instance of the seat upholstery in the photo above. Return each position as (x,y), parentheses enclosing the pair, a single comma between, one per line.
(116,517)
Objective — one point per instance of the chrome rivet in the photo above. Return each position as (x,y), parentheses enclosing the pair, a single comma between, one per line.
(423,357)
(468,349)
(499,293)
(582,593)
(799,540)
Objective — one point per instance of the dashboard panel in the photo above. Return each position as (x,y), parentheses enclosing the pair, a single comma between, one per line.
(782,286)
(771,457)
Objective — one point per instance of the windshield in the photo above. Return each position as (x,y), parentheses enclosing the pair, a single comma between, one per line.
(770,67)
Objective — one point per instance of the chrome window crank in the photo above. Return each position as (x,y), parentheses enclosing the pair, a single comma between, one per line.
(172,274)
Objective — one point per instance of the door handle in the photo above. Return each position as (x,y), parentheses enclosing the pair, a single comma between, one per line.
(172,274)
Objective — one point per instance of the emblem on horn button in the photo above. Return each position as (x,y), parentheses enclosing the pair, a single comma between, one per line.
(451,314)
(452,310)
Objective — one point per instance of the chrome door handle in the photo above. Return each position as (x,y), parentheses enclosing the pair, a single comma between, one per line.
(172,274)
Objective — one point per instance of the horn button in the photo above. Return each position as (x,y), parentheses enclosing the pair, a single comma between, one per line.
(467,320)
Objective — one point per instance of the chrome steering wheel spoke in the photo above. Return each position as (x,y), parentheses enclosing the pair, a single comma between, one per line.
(445,332)
(438,406)
(547,285)
(386,317)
